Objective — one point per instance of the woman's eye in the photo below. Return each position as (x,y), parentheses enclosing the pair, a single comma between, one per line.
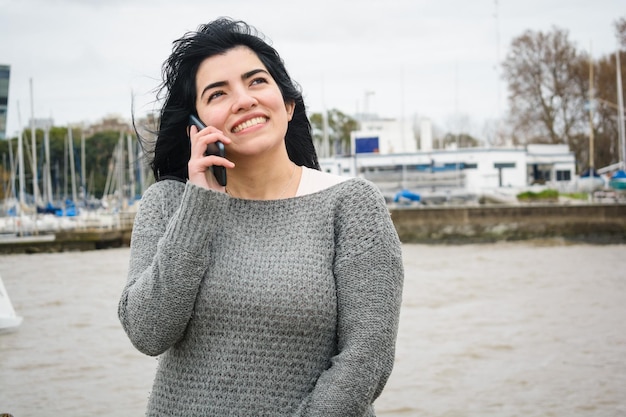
(259,80)
(215,95)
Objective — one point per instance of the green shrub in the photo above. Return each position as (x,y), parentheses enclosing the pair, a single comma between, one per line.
(540,196)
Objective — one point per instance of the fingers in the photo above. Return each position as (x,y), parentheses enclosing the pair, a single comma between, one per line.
(199,165)
(200,140)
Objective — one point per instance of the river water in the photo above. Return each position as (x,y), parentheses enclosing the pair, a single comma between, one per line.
(506,329)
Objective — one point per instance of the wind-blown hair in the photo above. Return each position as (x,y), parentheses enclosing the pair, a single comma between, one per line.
(178,90)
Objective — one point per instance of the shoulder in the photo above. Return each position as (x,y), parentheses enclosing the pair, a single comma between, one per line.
(358,201)
(163,189)
(362,219)
(360,192)
(162,196)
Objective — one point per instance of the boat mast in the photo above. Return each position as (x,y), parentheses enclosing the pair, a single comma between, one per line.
(12,170)
(119,163)
(83,168)
(72,164)
(131,172)
(142,178)
(620,109)
(20,162)
(33,140)
(48,169)
(591,139)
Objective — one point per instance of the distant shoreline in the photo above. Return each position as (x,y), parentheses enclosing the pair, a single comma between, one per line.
(585,223)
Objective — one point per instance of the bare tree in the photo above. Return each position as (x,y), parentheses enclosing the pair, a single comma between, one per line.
(545,83)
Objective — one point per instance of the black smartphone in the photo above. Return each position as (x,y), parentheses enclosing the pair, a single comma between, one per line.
(215,148)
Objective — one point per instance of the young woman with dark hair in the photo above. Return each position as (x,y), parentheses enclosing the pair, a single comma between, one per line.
(279,293)
(179,91)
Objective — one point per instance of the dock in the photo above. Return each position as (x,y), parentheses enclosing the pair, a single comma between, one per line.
(84,236)
(65,241)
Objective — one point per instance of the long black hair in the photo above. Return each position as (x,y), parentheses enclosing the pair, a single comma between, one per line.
(178,90)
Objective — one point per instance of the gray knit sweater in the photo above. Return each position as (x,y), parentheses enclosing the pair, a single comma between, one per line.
(264,308)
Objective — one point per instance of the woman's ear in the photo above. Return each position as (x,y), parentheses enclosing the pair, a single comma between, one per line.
(290,106)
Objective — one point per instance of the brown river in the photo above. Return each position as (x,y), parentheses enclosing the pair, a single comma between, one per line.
(506,329)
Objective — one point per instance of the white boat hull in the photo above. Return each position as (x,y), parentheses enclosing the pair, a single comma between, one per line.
(589,184)
(9,321)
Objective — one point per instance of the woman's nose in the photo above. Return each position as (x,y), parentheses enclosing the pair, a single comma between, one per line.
(243,101)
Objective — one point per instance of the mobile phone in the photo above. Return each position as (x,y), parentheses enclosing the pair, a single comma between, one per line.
(215,148)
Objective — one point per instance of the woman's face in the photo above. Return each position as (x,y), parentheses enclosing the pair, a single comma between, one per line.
(237,95)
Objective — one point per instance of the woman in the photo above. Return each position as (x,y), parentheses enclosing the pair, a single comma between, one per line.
(278,294)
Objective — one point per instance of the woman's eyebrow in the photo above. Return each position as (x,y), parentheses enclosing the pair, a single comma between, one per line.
(252,73)
(213,85)
(245,76)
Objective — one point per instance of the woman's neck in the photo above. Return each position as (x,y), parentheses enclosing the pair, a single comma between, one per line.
(263,181)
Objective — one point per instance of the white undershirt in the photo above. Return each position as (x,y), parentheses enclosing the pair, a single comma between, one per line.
(313,181)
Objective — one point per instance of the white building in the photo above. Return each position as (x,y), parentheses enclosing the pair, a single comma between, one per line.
(474,170)
(384,136)
(385,151)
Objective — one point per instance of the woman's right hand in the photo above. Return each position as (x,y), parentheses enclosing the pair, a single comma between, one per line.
(199,165)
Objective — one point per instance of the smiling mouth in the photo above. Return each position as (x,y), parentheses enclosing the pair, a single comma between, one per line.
(249,123)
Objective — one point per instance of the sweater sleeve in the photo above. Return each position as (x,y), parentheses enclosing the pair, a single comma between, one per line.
(369,277)
(168,258)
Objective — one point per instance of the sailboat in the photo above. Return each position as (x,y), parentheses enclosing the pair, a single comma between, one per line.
(618,180)
(9,320)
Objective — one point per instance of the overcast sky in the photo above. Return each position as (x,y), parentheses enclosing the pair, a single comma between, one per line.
(435,59)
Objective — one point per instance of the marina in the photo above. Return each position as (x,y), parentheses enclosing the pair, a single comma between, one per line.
(49,233)
(456,195)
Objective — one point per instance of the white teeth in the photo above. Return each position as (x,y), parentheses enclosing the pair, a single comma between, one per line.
(248,123)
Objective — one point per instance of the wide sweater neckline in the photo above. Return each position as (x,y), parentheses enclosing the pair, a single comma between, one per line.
(330,189)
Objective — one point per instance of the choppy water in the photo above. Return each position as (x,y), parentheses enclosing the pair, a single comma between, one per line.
(486,330)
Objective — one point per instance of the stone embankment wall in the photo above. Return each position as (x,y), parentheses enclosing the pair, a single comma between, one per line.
(593,223)
(596,223)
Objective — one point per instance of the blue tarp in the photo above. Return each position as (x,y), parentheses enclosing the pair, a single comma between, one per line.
(70,210)
(619,175)
(406,195)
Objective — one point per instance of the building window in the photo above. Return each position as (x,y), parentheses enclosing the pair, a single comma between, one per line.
(563,175)
(499,165)
(540,173)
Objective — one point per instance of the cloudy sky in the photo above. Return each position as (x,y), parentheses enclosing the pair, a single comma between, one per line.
(398,58)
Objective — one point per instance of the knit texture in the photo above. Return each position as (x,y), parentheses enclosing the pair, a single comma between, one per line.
(264,308)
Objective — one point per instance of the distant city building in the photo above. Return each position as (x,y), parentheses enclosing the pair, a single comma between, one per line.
(110,123)
(384,136)
(5,73)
